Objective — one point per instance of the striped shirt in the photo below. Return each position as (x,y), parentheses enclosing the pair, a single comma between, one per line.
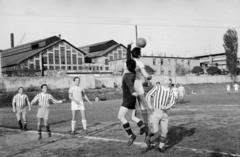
(20,100)
(44,99)
(162,98)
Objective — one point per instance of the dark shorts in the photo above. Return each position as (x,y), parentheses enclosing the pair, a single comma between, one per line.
(129,105)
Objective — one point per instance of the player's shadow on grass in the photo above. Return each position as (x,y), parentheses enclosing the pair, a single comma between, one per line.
(184,102)
(177,133)
(218,153)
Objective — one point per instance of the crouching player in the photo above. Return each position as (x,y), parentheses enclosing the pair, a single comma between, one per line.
(19,104)
(129,102)
(43,99)
(163,100)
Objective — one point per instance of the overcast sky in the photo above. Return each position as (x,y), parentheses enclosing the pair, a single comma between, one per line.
(171,27)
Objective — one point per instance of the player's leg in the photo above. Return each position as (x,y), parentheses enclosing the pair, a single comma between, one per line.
(84,121)
(47,126)
(18,115)
(24,117)
(73,122)
(154,120)
(164,128)
(39,128)
(126,126)
(143,127)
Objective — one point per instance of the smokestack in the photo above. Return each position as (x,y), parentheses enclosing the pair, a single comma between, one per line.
(59,35)
(12,40)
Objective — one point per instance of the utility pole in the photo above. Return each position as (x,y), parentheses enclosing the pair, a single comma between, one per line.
(136,31)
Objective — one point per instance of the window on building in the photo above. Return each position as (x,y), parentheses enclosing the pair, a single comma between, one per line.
(97,67)
(44,59)
(69,68)
(63,57)
(56,52)
(57,68)
(161,61)
(74,58)
(51,67)
(169,73)
(115,56)
(169,61)
(63,67)
(188,63)
(154,61)
(80,68)
(162,72)
(37,63)
(106,68)
(45,68)
(182,60)
(80,61)
(74,67)
(101,68)
(50,57)
(106,62)
(68,57)
(111,58)
(120,54)
(31,66)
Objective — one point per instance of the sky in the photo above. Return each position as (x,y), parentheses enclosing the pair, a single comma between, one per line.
(183,28)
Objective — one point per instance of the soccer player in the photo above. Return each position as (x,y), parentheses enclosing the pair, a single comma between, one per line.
(140,76)
(236,87)
(76,95)
(181,93)
(43,100)
(19,104)
(129,102)
(163,100)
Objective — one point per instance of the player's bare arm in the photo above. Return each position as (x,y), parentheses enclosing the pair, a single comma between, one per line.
(85,97)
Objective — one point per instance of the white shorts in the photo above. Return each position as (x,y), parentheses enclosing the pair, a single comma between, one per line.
(156,117)
(138,86)
(75,106)
(43,112)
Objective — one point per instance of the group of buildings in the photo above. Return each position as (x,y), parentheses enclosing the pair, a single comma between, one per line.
(54,54)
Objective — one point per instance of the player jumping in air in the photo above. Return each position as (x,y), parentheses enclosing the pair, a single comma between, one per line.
(76,95)
(129,102)
(141,75)
(43,99)
(19,105)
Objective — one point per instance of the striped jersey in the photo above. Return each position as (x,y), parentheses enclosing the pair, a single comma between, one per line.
(163,98)
(44,99)
(20,100)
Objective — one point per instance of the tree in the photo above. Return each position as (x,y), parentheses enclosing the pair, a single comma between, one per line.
(180,70)
(230,45)
(213,70)
(197,70)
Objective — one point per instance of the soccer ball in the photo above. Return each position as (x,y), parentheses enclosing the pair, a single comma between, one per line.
(141,42)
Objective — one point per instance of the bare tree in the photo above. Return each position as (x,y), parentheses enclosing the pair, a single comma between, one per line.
(230,45)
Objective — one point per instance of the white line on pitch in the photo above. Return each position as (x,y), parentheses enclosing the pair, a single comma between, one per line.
(141,144)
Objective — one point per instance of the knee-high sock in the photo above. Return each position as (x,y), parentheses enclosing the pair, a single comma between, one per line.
(73,124)
(84,123)
(163,141)
(128,129)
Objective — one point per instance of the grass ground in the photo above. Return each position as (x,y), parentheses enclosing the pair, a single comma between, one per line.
(204,125)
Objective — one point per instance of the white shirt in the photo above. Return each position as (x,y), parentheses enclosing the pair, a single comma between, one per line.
(76,92)
(20,100)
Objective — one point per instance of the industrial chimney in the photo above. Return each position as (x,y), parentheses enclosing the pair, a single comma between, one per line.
(12,39)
